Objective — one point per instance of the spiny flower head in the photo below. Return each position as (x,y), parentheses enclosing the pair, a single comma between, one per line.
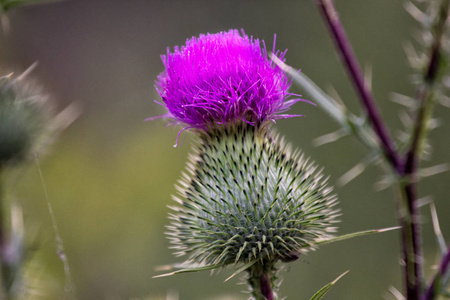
(222,78)
(247,198)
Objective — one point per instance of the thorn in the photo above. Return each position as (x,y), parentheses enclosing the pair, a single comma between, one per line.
(396,293)
(28,71)
(388,229)
(437,229)
(368,74)
(164,275)
(340,276)
(329,138)
(356,170)
(426,172)
(416,13)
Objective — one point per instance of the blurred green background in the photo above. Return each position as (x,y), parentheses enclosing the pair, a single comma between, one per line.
(110,175)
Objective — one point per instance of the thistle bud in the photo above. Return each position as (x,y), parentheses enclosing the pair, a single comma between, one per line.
(24,119)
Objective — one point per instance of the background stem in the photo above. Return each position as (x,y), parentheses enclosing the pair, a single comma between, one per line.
(339,36)
(412,251)
(405,168)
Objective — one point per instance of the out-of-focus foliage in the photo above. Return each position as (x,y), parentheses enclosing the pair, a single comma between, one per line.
(110,175)
(6,5)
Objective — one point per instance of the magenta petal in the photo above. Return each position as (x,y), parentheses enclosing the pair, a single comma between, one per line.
(222,78)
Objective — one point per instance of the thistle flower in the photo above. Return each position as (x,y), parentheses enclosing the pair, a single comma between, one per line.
(247,199)
(222,78)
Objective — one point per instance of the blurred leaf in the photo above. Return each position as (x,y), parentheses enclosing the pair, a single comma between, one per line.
(325,289)
(8,4)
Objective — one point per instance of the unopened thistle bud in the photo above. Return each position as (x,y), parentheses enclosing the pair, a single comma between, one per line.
(247,199)
(24,119)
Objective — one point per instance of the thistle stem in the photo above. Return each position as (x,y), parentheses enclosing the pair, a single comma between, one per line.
(406,168)
(339,36)
(410,234)
(265,286)
(412,252)
(408,212)
(261,279)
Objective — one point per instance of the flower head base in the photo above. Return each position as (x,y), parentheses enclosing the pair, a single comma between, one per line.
(223,78)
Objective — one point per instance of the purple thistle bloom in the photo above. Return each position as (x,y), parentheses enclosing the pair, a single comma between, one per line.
(223,78)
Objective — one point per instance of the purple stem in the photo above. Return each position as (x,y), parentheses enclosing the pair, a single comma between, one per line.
(406,167)
(435,284)
(410,225)
(413,257)
(331,17)
(411,245)
(265,286)
(424,96)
